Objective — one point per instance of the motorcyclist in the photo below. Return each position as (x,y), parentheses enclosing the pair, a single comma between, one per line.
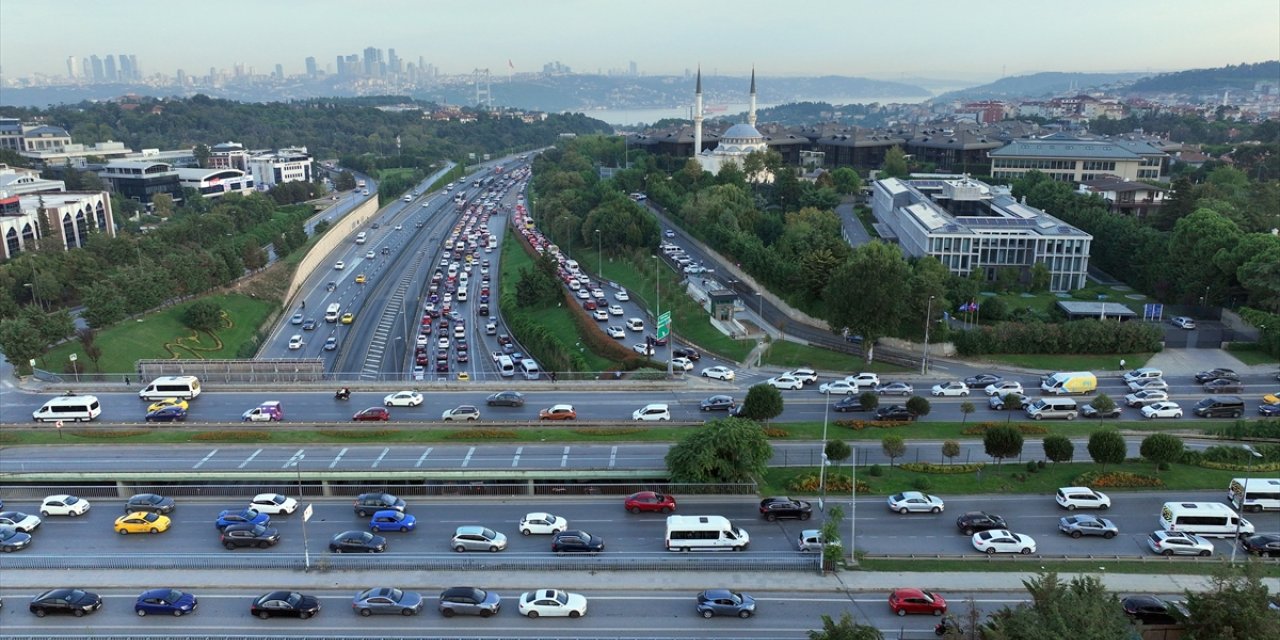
(343,393)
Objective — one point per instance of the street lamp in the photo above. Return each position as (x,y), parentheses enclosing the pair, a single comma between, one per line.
(1239,504)
(600,253)
(853,501)
(924,362)
(296,463)
(822,473)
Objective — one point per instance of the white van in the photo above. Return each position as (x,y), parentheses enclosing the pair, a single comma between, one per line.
(571,266)
(704,533)
(187,387)
(1203,518)
(331,314)
(362,237)
(529,367)
(506,367)
(1053,408)
(1260,494)
(68,408)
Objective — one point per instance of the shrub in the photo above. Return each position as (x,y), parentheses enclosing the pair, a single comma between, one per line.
(1242,429)
(929,467)
(776,432)
(1031,466)
(1024,429)
(875,471)
(1116,479)
(836,483)
(483,434)
(859,425)
(106,434)
(357,434)
(608,431)
(233,436)
(921,484)
(1228,466)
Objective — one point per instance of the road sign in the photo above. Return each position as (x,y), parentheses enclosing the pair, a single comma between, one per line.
(664,325)
(306,513)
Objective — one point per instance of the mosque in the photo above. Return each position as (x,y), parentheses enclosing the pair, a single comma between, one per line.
(735,143)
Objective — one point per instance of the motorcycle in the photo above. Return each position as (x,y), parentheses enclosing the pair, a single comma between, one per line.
(947,624)
(342,394)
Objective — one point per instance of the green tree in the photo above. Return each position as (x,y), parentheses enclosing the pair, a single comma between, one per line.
(1082,610)
(1161,448)
(201,153)
(763,402)
(894,447)
(993,309)
(950,449)
(1103,404)
(203,315)
(895,164)
(1007,279)
(88,342)
(918,406)
(344,182)
(1040,277)
(727,450)
(846,181)
(838,451)
(877,272)
(831,549)
(1012,402)
(1059,448)
(1234,607)
(1002,441)
(966,408)
(21,343)
(1107,447)
(869,400)
(103,304)
(162,205)
(844,629)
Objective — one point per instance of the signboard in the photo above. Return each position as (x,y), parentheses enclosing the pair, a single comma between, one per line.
(306,514)
(664,325)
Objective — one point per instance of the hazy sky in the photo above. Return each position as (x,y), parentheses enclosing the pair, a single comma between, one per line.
(880,38)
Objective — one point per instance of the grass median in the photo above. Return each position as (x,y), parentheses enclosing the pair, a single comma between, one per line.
(1160,566)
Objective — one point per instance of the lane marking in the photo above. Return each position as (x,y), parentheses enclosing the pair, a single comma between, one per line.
(424,456)
(338,458)
(467,460)
(564,459)
(296,455)
(613,456)
(250,458)
(515,462)
(205,459)
(381,456)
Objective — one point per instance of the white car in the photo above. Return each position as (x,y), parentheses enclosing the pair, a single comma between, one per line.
(718,373)
(583,294)
(953,388)
(339,265)
(597,294)
(369,255)
(1162,410)
(1149,384)
(403,399)
(1184,322)
(652,413)
(19,521)
(915,502)
(806,375)
(615,310)
(864,380)
(443,342)
(1072,498)
(621,296)
(273,504)
(422,340)
(1003,541)
(295,342)
(785,382)
(838,386)
(682,364)
(61,504)
(635,324)
(1004,388)
(462,295)
(542,523)
(642,349)
(1145,397)
(552,602)
(600,315)
(616,332)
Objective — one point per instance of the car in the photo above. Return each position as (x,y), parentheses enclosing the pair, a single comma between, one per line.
(972,522)
(1148,384)
(295,342)
(76,602)
(950,389)
(1263,544)
(461,412)
(657,411)
(348,318)
(167,414)
(229,517)
(339,265)
(19,521)
(1183,322)
(982,380)
(576,540)
(331,286)
(1218,373)
(1162,410)
(1003,541)
(1145,397)
(894,412)
(331,344)
(895,389)
(1087,525)
(813,540)
(373,414)
(649,501)
(668,233)
(869,380)
(1072,498)
(915,502)
(1223,385)
(273,504)
(1090,411)
(403,399)
(558,412)
(542,523)
(718,373)
(785,508)
(590,305)
(387,600)
(904,601)
(643,349)
(848,403)
(600,315)
(142,522)
(168,402)
(477,538)
(724,602)
(296,319)
(13,540)
(249,535)
(62,504)
(717,403)
(681,364)
(584,294)
(615,332)
(621,296)
(615,310)
(840,387)
(357,542)
(361,279)
(635,324)
(1011,402)
(505,399)
(469,601)
(785,383)
(290,604)
(552,602)
(1179,543)
(1153,610)
(1269,410)
(1003,388)
(392,520)
(366,504)
(165,602)
(309,324)
(686,352)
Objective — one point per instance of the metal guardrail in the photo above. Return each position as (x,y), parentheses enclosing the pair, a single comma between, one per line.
(304,636)
(359,427)
(1033,557)
(112,490)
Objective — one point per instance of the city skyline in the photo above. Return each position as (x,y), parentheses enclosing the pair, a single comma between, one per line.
(923,38)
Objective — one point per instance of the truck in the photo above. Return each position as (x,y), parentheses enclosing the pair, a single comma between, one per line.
(1069,382)
(360,184)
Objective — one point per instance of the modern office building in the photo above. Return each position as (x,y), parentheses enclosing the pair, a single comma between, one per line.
(20,181)
(1070,159)
(283,165)
(1126,196)
(972,226)
(228,155)
(214,183)
(70,218)
(141,180)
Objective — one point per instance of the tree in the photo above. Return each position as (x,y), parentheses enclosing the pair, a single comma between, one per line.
(162,204)
(1161,448)
(1103,404)
(966,408)
(1082,610)
(253,256)
(993,309)
(950,449)
(1234,608)
(877,272)
(838,451)
(845,629)
(1107,447)
(727,450)
(763,402)
(869,400)
(1040,277)
(21,343)
(895,164)
(344,182)
(88,342)
(1002,441)
(203,315)
(831,549)
(918,406)
(894,447)
(846,181)
(1012,402)
(103,304)
(1059,448)
(201,153)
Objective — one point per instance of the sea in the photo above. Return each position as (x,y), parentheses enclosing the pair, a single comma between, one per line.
(627,117)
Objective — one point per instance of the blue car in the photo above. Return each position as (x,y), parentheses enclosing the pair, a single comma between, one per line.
(172,413)
(391,520)
(1269,410)
(229,517)
(165,602)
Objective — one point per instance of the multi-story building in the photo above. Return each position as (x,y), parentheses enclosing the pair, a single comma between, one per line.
(1071,159)
(20,180)
(228,155)
(78,155)
(1126,196)
(283,165)
(972,226)
(141,180)
(70,217)
(213,183)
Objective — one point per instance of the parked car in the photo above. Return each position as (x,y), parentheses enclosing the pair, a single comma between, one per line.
(289,604)
(785,508)
(718,373)
(1179,543)
(1183,322)
(915,502)
(686,352)
(975,521)
(904,601)
(468,601)
(649,501)
(1087,525)
(724,602)
(477,538)
(576,540)
(552,602)
(387,600)
(1003,541)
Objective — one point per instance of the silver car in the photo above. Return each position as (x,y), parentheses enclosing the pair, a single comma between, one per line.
(1178,543)
(1086,525)
(477,538)
(387,600)
(469,601)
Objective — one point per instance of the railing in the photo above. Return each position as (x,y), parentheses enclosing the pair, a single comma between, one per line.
(1036,557)
(425,489)
(361,427)
(80,635)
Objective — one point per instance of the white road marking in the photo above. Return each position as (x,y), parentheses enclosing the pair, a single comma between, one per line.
(424,456)
(515,462)
(205,459)
(338,458)
(296,456)
(467,460)
(564,459)
(250,458)
(613,456)
(381,456)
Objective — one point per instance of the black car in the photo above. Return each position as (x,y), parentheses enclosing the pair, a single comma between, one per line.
(1263,544)
(149,502)
(506,399)
(1224,385)
(848,403)
(367,504)
(13,540)
(1219,373)
(357,542)
(469,601)
(1089,411)
(576,540)
(975,521)
(894,412)
(717,403)
(778,508)
(1153,610)
(249,535)
(285,603)
(981,380)
(77,602)
(684,352)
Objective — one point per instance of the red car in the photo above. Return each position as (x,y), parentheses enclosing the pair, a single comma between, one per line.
(650,501)
(372,413)
(904,601)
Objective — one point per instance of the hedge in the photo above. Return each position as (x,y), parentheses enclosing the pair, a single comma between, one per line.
(1116,479)
(930,467)
(483,434)
(1024,429)
(836,482)
(233,436)
(1076,336)
(859,425)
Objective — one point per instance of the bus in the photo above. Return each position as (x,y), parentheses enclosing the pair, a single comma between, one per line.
(360,184)
(704,533)
(1260,494)
(1203,518)
(69,408)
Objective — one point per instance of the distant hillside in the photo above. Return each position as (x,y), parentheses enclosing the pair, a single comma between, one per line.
(1241,76)
(1040,84)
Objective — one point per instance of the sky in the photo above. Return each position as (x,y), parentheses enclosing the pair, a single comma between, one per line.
(982,39)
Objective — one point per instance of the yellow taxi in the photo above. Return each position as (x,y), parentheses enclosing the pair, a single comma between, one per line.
(142,522)
(167,402)
(360,279)
(1271,398)
(348,318)
(464,376)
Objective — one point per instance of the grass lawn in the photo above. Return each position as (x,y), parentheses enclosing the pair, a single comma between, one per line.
(784,353)
(1070,362)
(162,335)
(1013,564)
(1251,355)
(406,172)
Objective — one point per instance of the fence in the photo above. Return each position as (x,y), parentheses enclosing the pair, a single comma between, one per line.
(405,489)
(288,371)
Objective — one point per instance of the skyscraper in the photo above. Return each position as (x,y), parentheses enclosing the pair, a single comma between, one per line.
(279,71)
(71,67)
(372,61)
(393,61)
(133,64)
(126,69)
(109,68)
(340,67)
(98,74)
(311,67)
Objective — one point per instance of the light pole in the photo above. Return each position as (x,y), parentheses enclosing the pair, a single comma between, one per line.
(924,362)
(296,463)
(1239,504)
(760,312)
(822,473)
(600,253)
(853,501)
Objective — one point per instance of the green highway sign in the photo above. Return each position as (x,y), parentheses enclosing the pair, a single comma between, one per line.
(664,325)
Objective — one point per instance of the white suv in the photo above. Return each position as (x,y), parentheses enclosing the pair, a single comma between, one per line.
(651,412)
(1072,498)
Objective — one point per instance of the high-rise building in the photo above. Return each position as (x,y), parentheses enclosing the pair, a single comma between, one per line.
(98,73)
(126,69)
(109,68)
(311,67)
(393,61)
(133,63)
(631,69)
(372,61)
(279,71)
(71,67)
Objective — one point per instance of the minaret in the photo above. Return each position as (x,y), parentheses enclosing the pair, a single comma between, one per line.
(751,112)
(697,115)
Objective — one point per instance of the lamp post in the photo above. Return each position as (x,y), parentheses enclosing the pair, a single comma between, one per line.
(924,362)
(760,312)
(600,253)
(296,463)
(1239,504)
(822,473)
(853,501)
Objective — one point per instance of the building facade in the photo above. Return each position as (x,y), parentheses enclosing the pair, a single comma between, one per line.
(1126,197)
(214,183)
(284,165)
(228,155)
(20,180)
(140,180)
(69,218)
(1070,159)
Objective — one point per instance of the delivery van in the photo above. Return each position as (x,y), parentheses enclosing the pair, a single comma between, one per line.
(1070,382)
(331,314)
(71,408)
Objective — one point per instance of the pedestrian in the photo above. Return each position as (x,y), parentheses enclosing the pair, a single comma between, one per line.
(1122,364)
(126,381)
